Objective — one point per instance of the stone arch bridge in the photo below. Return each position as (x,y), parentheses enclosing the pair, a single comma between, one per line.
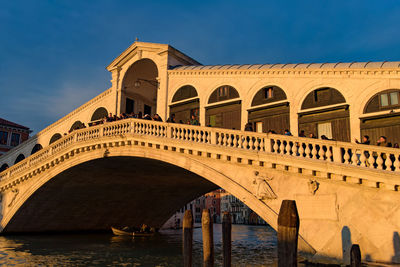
(133,171)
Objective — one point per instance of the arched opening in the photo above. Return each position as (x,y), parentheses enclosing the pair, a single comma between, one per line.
(76,125)
(140,88)
(36,148)
(3,167)
(110,202)
(185,104)
(19,158)
(99,114)
(54,138)
(224,108)
(387,124)
(324,112)
(270,110)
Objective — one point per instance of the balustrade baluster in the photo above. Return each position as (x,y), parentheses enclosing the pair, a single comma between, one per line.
(287,148)
(251,143)
(240,141)
(314,151)
(275,146)
(396,163)
(295,149)
(379,161)
(219,138)
(354,157)
(174,132)
(307,151)
(245,143)
(362,159)
(346,156)
(328,153)
(229,140)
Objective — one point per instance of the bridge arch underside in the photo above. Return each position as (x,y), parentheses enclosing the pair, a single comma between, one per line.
(105,192)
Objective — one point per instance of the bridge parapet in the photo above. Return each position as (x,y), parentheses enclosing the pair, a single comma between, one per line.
(354,163)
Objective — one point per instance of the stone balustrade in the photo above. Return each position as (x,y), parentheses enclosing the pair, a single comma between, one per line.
(361,157)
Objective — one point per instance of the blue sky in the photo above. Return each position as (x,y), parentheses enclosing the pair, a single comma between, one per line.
(53,54)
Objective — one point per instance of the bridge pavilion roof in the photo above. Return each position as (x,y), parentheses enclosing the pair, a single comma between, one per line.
(338,65)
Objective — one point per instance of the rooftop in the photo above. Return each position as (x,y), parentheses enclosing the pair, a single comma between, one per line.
(339,65)
(4,122)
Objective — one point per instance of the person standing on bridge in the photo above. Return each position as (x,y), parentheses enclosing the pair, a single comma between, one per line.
(171,118)
(194,121)
(365,140)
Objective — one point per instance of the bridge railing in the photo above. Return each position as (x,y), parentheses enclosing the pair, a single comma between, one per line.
(373,157)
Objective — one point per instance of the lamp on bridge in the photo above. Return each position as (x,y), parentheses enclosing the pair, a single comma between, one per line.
(139,81)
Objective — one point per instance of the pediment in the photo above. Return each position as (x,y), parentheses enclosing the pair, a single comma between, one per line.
(159,49)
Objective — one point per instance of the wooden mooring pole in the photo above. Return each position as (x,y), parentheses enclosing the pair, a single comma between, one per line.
(227,239)
(355,256)
(288,231)
(187,227)
(208,242)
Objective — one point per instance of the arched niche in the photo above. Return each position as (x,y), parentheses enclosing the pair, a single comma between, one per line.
(54,138)
(99,114)
(324,112)
(4,167)
(222,93)
(185,103)
(36,148)
(140,86)
(384,100)
(321,97)
(387,124)
(19,158)
(76,125)
(269,110)
(226,114)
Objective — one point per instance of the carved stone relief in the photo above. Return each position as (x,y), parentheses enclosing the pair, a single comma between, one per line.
(15,192)
(263,190)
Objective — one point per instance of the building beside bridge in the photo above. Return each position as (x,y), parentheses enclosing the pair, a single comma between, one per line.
(11,135)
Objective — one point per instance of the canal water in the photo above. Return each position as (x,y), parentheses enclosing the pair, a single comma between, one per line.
(251,246)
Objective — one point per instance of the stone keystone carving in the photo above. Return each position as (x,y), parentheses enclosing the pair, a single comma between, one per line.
(313,186)
(15,192)
(262,188)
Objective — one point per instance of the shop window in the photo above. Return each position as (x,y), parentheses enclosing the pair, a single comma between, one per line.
(389,99)
(268,93)
(212,121)
(15,139)
(223,91)
(325,129)
(3,138)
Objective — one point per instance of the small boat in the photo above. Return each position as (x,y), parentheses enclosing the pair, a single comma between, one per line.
(120,232)
(140,234)
(126,232)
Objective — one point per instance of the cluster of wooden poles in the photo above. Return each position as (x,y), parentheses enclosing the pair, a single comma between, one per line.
(288,231)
